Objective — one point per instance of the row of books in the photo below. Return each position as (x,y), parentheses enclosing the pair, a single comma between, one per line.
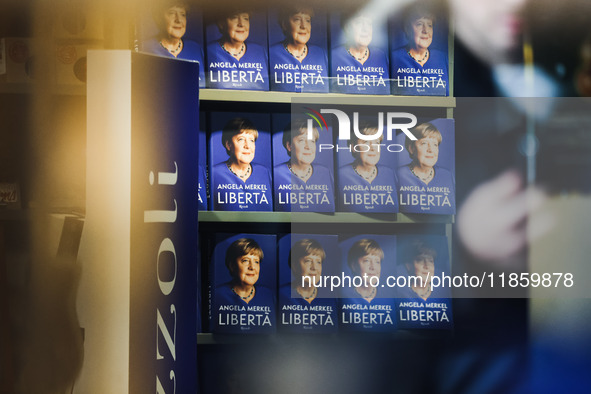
(262,283)
(293,163)
(301,49)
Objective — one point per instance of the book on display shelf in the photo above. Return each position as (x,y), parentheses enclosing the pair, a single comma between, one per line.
(366,303)
(243,283)
(202,161)
(359,54)
(159,27)
(305,304)
(236,53)
(418,51)
(240,162)
(425,301)
(366,172)
(298,56)
(426,168)
(302,171)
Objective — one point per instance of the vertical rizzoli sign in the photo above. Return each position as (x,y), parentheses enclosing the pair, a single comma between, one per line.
(166,254)
(163,327)
(139,251)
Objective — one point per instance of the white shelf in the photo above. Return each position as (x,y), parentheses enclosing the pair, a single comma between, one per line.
(339,337)
(311,217)
(325,98)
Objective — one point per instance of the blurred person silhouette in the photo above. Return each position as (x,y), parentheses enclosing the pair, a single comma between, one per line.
(500,204)
(494,202)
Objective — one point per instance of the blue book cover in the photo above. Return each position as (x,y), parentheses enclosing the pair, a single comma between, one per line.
(359,61)
(240,162)
(236,52)
(298,42)
(426,170)
(425,300)
(419,51)
(302,169)
(243,283)
(202,160)
(366,171)
(305,304)
(172,30)
(366,303)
